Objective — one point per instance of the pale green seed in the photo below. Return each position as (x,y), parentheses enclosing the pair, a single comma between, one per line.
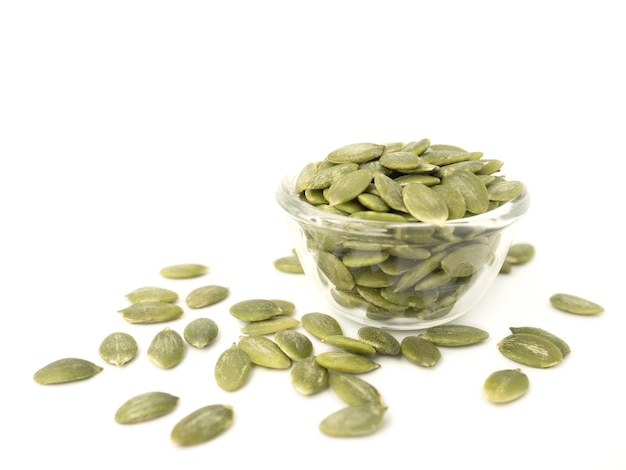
(202,425)
(151,312)
(320,325)
(433,280)
(308,377)
(417,147)
(520,253)
(574,304)
(490,166)
(420,351)
(424,204)
(419,271)
(344,361)
(232,368)
(444,155)
(471,187)
(506,385)
(65,370)
(287,307)
(453,199)
(375,297)
(400,160)
(352,345)
(336,272)
(426,180)
(530,350)
(504,190)
(294,344)
(152,294)
(358,258)
(372,202)
(349,186)
(559,343)
(383,341)
(324,178)
(264,352)
(506,268)
(354,421)
(353,390)
(206,295)
(372,278)
(118,348)
(200,332)
(356,153)
(467,260)
(390,217)
(305,176)
(390,192)
(455,335)
(166,349)
(289,264)
(473,166)
(184,271)
(146,407)
(255,310)
(271,325)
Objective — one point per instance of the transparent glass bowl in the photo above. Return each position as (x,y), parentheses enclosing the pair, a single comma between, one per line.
(400,276)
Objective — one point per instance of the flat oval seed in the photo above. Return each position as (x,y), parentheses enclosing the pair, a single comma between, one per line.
(308,377)
(348,187)
(145,407)
(358,258)
(352,345)
(574,304)
(353,421)
(336,272)
(530,350)
(504,190)
(232,369)
(206,295)
(294,344)
(271,325)
(166,349)
(286,306)
(506,385)
(118,348)
(202,425)
(455,335)
(383,341)
(324,178)
(66,370)
(453,199)
(420,351)
(344,361)
(425,204)
(400,160)
(289,264)
(468,259)
(184,271)
(471,187)
(353,390)
(520,253)
(562,345)
(255,310)
(147,294)
(390,192)
(200,332)
(320,325)
(264,352)
(151,312)
(356,153)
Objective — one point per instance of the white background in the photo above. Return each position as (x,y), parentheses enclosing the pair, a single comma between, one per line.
(134,135)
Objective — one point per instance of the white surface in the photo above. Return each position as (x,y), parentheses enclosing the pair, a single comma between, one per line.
(134,135)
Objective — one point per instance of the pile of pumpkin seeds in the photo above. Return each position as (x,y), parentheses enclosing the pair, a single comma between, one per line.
(417,272)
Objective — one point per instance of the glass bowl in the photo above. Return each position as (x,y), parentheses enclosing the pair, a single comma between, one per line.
(400,276)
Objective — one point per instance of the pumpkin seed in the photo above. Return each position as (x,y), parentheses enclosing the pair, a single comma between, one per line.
(286,306)
(205,296)
(356,153)
(344,361)
(200,332)
(202,425)
(354,420)
(151,312)
(455,335)
(320,325)
(308,377)
(574,304)
(400,160)
(353,390)
(152,294)
(453,199)
(467,260)
(420,351)
(349,186)
(504,190)
(383,341)
(294,344)
(520,253)
(558,342)
(530,350)
(232,368)
(352,345)
(184,271)
(145,407)
(504,386)
(166,349)
(118,348)
(255,310)
(271,325)
(66,370)
(471,187)
(390,192)
(336,272)
(324,178)
(359,259)
(424,204)
(289,264)
(264,352)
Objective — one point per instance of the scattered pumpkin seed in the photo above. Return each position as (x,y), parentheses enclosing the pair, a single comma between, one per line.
(420,351)
(66,370)
(294,344)
(145,407)
(232,368)
(202,425)
(383,341)
(320,325)
(559,343)
(264,352)
(353,390)
(574,304)
(308,377)
(206,295)
(352,345)
(354,420)
(200,332)
(271,325)
(454,335)
(289,264)
(286,306)
(255,310)
(184,271)
(118,348)
(166,349)
(151,312)
(530,350)
(344,361)
(504,386)
(152,294)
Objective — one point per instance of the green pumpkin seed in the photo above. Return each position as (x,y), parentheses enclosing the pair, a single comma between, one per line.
(471,187)
(353,390)
(453,199)
(200,332)
(424,204)
(390,192)
(356,153)
(118,348)
(184,271)
(151,312)
(504,190)
(419,271)
(455,335)
(286,306)
(232,368)
(372,202)
(352,345)
(530,350)
(145,407)
(255,310)
(558,342)
(271,325)
(506,268)
(327,176)
(206,295)
(305,176)
(354,421)
(264,352)
(359,259)
(202,425)
(467,260)
(320,325)
(426,180)
(294,344)
(336,272)
(344,361)
(400,160)
(308,377)
(166,349)
(506,385)
(520,253)
(289,264)
(383,341)
(574,304)
(420,351)
(65,370)
(152,294)
(349,186)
